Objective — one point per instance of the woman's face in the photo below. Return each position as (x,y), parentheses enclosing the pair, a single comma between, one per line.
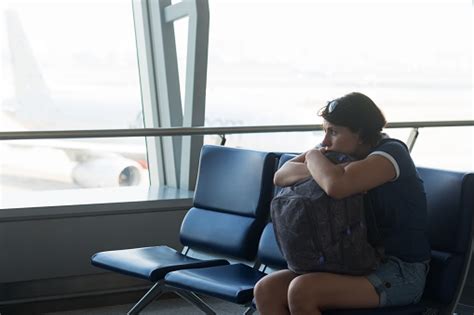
(341,139)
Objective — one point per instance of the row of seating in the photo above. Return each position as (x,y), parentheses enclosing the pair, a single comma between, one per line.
(229,219)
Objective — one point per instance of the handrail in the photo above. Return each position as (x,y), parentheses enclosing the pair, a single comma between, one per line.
(190,131)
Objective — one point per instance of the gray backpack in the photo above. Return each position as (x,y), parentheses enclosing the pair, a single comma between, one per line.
(318,233)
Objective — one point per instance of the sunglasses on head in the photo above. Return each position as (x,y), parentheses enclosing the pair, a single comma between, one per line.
(332,106)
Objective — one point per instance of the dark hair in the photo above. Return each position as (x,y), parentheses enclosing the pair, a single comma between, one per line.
(357,112)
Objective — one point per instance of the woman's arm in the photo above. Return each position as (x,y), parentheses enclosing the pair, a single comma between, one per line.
(356,177)
(291,172)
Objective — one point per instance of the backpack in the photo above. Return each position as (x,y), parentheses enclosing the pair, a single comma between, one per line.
(318,233)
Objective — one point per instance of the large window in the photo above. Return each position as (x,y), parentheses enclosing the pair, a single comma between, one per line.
(278,62)
(73,65)
(69,65)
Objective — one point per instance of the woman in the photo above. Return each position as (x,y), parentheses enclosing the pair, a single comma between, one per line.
(384,169)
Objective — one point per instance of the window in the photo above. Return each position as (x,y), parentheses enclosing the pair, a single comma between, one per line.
(278,62)
(69,65)
(73,65)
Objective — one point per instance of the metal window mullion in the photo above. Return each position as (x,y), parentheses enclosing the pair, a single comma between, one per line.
(195,89)
(148,90)
(166,73)
(177,11)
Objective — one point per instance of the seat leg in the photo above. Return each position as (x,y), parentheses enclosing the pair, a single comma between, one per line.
(250,310)
(152,294)
(195,300)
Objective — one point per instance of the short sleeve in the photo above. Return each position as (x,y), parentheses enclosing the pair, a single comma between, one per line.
(398,155)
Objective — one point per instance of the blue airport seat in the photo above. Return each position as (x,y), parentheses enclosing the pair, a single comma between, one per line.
(233,283)
(230,210)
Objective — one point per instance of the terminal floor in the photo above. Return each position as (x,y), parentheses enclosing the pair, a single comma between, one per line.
(177,306)
(170,306)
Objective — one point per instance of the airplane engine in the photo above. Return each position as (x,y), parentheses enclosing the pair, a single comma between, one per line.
(107,172)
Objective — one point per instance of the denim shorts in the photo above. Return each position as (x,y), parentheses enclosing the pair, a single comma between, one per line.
(398,282)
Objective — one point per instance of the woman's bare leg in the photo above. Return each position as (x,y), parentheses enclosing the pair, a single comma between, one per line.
(313,292)
(271,293)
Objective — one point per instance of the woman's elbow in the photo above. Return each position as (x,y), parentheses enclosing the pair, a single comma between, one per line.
(284,179)
(335,191)
(278,180)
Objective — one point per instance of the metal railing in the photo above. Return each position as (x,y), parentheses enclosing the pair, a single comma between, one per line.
(220,131)
(190,131)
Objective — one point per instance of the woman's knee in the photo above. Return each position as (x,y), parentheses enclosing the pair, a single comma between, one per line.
(273,288)
(261,289)
(265,289)
(299,297)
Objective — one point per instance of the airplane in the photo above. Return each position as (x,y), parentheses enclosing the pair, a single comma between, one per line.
(95,162)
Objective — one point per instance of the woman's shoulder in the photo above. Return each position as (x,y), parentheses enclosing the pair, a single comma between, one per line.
(393,147)
(390,145)
(397,152)
(386,141)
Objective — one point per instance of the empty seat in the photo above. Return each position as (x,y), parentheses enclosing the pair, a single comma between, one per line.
(230,209)
(233,283)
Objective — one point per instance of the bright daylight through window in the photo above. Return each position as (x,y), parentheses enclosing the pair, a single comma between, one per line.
(69,65)
(73,65)
(413,58)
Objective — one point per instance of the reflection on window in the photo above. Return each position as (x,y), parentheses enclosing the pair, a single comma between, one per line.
(69,65)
